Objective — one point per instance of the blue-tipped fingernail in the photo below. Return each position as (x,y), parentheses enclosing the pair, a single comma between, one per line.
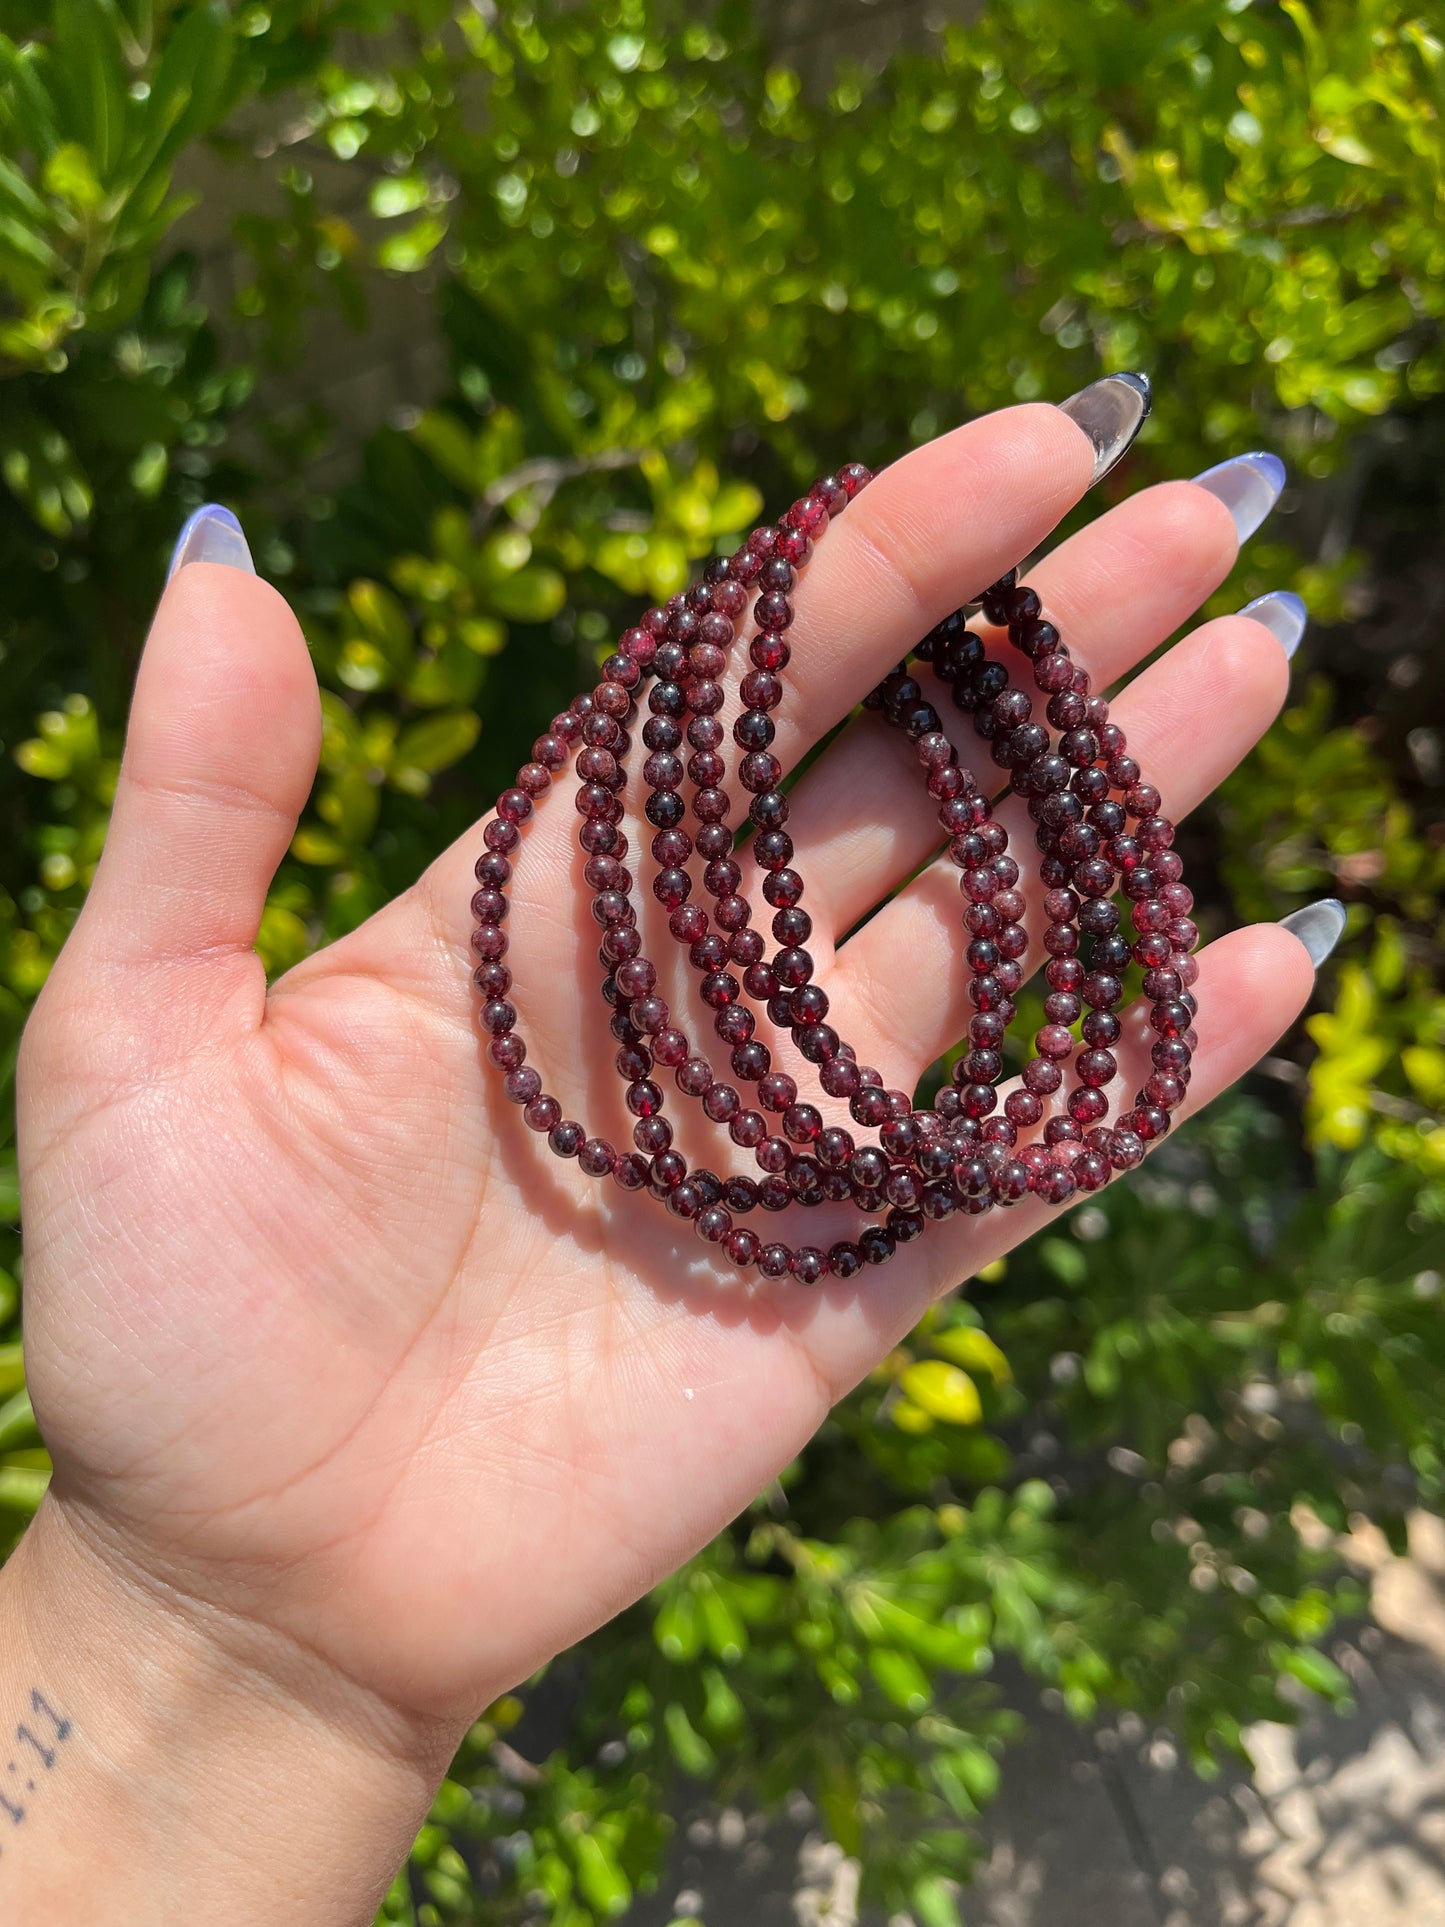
(1319,927)
(1248,486)
(1111,412)
(1283,614)
(212,534)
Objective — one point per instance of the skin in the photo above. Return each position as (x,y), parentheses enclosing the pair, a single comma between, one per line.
(361,1404)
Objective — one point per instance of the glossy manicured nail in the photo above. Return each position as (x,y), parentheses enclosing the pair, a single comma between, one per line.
(1318,926)
(1248,486)
(1111,412)
(212,534)
(1283,614)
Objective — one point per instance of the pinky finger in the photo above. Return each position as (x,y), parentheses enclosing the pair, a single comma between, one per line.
(1252,986)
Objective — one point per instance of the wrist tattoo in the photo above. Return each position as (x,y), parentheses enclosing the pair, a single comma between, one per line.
(34,1749)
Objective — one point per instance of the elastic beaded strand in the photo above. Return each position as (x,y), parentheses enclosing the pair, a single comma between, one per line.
(1099,833)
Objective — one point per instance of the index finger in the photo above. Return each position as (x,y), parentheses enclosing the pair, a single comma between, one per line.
(931,531)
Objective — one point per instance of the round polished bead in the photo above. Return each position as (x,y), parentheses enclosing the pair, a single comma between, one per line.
(523,1085)
(714,1224)
(544,1113)
(644,1098)
(876,1242)
(1042,1076)
(743,1247)
(776,1091)
(808,1265)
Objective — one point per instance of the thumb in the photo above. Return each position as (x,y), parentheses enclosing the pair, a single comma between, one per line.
(220,754)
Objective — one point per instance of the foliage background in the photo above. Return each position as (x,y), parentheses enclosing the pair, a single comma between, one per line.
(670,276)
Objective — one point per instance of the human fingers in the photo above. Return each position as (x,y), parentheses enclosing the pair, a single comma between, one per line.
(1189,719)
(220,753)
(860,819)
(929,532)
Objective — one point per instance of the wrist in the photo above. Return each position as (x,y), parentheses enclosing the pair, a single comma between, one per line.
(174,1761)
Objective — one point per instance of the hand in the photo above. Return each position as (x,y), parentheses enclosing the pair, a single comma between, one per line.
(334,1360)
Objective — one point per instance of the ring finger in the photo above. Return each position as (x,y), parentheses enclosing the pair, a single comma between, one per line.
(1189,719)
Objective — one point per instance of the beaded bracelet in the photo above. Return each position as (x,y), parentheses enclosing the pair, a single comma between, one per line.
(1099,832)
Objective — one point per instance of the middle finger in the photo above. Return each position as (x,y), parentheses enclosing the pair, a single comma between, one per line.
(860,818)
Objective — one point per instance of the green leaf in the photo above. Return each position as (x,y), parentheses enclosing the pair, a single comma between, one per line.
(41,469)
(901,1677)
(149,469)
(979,1771)
(410,251)
(90,76)
(310,845)
(17,1421)
(603,1883)
(350,803)
(722,1710)
(12,1369)
(838,1798)
(1065,1259)
(399,194)
(24,240)
(69,174)
(678,1628)
(666,566)
(1318,1672)
(689,1748)
(187,92)
(21,1490)
(735,505)
(943,1391)
(451,446)
(935,1903)
(382,621)
(21,195)
(967,1346)
(726,1633)
(436,743)
(30,101)
(482,635)
(283,939)
(937,1642)
(533,594)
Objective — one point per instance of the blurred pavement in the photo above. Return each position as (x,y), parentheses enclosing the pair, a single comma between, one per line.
(1342,1824)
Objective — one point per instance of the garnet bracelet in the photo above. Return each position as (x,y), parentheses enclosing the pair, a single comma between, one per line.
(1100,834)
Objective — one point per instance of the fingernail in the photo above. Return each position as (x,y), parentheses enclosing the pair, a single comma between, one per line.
(1319,927)
(1111,412)
(1283,614)
(1248,486)
(212,534)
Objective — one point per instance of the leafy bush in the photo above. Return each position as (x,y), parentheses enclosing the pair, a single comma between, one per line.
(674,281)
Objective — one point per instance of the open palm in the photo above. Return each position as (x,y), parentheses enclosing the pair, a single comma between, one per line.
(319,1336)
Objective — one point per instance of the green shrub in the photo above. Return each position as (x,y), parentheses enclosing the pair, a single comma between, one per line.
(674,281)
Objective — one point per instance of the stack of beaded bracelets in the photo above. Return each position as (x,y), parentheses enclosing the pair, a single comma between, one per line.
(1099,832)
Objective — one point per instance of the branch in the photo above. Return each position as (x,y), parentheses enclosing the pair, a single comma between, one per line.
(1385,1103)
(1216,222)
(546,473)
